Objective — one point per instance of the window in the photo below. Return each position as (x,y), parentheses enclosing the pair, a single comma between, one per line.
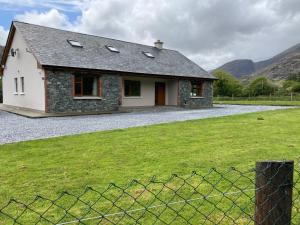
(22,85)
(85,85)
(197,89)
(16,85)
(112,49)
(132,88)
(148,54)
(75,43)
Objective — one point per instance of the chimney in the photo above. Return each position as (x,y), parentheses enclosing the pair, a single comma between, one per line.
(158,44)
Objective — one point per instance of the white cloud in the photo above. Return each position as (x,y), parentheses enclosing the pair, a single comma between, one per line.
(211,58)
(3,35)
(211,32)
(51,18)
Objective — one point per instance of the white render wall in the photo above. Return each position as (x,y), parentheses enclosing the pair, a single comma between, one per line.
(24,65)
(147,97)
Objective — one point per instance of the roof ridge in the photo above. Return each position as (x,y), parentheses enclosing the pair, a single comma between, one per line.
(93,35)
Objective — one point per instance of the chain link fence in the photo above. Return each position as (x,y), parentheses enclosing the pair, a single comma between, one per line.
(217,197)
(292,97)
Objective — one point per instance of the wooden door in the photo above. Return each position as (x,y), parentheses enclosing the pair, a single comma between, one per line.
(160,93)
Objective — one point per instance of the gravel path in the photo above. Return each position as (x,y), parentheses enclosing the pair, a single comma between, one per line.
(14,128)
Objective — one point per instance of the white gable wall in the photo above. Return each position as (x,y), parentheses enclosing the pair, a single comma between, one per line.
(24,65)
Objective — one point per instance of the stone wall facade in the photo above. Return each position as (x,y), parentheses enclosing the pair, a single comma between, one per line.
(185,99)
(60,99)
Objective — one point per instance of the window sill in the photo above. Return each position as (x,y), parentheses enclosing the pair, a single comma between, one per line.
(197,97)
(132,97)
(15,93)
(88,98)
(22,93)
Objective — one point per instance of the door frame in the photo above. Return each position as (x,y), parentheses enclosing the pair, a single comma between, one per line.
(162,84)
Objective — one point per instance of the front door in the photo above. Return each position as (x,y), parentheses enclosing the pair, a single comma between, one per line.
(160,93)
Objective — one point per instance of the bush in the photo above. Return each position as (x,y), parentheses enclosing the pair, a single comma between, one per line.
(226,85)
(291,86)
(296,87)
(261,86)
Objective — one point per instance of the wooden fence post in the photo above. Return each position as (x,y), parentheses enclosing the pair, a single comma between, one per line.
(273,195)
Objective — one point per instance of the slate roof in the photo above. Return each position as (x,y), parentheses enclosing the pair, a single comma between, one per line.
(51,48)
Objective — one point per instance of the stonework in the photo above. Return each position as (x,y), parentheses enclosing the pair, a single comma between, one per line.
(185,99)
(60,99)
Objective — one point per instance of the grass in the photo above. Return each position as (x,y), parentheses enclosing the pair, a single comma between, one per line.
(258,102)
(51,166)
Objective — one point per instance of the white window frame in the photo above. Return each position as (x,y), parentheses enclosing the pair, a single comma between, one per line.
(112,48)
(149,55)
(74,43)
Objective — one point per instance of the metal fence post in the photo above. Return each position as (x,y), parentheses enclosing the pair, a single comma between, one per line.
(273,195)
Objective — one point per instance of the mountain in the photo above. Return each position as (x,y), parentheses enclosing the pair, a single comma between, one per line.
(276,59)
(281,69)
(276,68)
(239,68)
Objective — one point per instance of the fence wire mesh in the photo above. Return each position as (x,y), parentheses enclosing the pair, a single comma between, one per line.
(291,97)
(226,197)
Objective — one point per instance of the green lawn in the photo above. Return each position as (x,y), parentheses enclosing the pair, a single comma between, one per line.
(258,102)
(51,166)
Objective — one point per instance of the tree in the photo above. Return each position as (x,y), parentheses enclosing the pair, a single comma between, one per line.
(226,85)
(291,85)
(296,87)
(262,86)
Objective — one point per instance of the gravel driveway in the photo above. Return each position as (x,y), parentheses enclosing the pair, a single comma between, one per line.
(14,128)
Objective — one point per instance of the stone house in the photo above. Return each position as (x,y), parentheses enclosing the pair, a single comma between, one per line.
(58,71)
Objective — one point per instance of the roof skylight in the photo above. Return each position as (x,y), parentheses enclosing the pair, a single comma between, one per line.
(112,48)
(75,43)
(148,54)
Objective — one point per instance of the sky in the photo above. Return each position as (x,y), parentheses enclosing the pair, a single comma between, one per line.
(209,32)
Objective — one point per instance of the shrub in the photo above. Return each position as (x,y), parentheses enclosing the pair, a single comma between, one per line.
(296,87)
(291,86)
(262,86)
(226,85)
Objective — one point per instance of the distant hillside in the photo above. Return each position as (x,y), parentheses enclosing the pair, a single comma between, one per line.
(239,68)
(291,51)
(276,68)
(281,69)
